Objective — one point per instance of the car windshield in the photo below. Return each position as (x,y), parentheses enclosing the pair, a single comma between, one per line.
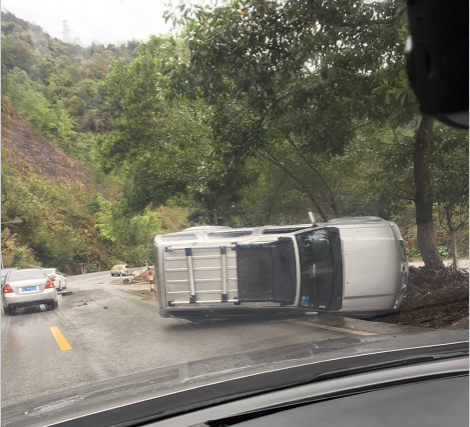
(267,171)
(25,275)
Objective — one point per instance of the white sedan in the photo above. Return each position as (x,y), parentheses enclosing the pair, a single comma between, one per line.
(28,287)
(57,277)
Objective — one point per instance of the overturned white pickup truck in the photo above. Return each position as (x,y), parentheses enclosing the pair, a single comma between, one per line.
(349,265)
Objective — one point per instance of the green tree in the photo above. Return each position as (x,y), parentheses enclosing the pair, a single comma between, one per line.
(136,232)
(298,72)
(17,53)
(291,73)
(449,170)
(164,147)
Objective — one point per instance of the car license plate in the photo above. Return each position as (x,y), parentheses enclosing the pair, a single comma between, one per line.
(30,288)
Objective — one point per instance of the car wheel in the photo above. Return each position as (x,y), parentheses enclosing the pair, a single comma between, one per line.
(54,305)
(65,287)
(6,310)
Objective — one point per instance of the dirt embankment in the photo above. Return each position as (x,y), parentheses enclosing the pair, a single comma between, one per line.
(435,299)
(26,151)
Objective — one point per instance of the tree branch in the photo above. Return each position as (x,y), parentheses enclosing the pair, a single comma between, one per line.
(272,159)
(315,170)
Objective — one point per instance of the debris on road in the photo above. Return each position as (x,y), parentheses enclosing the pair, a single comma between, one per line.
(83,301)
(148,295)
(145,276)
(105,307)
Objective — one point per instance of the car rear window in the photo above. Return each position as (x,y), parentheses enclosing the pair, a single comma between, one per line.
(118,266)
(26,275)
(49,270)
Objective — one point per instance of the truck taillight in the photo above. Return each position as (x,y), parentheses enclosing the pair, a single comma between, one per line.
(7,289)
(49,284)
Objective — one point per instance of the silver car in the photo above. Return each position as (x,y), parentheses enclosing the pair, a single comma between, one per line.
(122,270)
(28,287)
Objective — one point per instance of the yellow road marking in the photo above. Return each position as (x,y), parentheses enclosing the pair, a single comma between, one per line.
(63,344)
(331,328)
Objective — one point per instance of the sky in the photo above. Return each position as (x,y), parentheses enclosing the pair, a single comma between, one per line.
(107,21)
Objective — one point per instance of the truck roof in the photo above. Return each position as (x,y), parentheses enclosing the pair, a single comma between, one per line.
(227,235)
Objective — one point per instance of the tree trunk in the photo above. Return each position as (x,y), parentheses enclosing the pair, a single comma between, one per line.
(455,258)
(211,215)
(423,197)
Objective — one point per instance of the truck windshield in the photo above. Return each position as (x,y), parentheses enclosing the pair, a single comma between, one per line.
(316,268)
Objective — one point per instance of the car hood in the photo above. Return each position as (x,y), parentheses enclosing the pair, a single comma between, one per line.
(144,386)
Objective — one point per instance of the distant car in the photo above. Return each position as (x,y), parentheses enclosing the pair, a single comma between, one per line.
(28,287)
(57,277)
(121,269)
(6,270)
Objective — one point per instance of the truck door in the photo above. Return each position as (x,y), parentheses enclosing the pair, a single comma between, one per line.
(320,269)
(266,272)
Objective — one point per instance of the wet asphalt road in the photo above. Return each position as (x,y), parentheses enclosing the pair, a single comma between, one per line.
(102,332)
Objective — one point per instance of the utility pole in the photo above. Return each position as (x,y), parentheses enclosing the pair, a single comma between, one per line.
(66,36)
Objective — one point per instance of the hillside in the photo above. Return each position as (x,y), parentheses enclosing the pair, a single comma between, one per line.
(28,151)
(53,125)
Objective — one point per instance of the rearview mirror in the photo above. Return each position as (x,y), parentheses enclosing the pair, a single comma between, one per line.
(437,58)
